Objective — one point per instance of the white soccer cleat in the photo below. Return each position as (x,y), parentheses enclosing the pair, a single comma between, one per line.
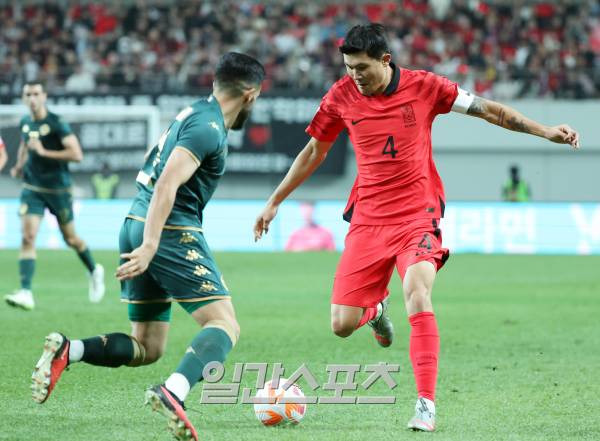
(424,418)
(96,286)
(22,298)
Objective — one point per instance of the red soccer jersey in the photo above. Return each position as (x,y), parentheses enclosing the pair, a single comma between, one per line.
(397,179)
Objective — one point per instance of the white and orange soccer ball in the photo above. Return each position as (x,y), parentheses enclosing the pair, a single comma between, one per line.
(278,412)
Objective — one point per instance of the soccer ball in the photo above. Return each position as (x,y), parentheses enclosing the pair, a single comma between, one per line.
(273,414)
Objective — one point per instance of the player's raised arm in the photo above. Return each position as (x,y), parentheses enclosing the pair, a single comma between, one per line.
(307,161)
(509,118)
(179,168)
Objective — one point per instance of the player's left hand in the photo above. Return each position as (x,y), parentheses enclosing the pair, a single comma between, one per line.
(137,262)
(563,134)
(36,145)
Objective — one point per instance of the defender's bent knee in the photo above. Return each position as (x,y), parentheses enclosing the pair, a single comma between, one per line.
(140,357)
(230,327)
(148,354)
(146,350)
(152,356)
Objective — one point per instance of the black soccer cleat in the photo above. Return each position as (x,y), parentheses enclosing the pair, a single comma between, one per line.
(382,326)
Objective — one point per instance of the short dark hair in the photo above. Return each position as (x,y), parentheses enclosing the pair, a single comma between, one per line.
(236,72)
(368,38)
(36,82)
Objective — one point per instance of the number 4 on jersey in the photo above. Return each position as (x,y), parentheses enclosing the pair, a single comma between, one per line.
(389,149)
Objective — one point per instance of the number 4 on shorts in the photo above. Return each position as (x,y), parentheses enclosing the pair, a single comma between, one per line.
(425,242)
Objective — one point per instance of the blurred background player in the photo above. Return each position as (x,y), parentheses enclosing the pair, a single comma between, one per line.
(312,236)
(47,146)
(164,256)
(3,155)
(398,198)
(515,189)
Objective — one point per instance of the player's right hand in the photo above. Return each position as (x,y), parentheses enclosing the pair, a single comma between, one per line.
(264,220)
(137,262)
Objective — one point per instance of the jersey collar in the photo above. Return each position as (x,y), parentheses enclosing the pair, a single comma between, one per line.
(391,88)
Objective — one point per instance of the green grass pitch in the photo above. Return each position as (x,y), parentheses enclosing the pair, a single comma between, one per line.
(520,355)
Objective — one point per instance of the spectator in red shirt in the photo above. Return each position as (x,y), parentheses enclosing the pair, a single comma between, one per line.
(311,236)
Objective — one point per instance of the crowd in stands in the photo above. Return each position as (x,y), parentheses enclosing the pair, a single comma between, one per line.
(498,49)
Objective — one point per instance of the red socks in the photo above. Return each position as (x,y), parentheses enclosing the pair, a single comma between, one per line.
(424,350)
(368,314)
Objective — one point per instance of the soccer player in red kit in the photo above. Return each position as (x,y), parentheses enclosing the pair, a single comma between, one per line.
(3,155)
(398,197)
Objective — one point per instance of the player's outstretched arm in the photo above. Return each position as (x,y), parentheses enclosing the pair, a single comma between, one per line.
(307,161)
(507,117)
(179,169)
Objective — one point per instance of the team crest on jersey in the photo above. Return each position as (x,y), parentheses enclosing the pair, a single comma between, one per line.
(214,125)
(201,270)
(25,128)
(187,238)
(408,114)
(44,129)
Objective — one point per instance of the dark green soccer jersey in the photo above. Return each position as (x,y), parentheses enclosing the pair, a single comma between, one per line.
(46,173)
(200,129)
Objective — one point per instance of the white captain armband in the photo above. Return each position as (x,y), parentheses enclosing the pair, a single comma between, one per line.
(463,101)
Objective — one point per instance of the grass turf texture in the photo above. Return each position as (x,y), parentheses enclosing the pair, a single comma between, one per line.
(519,352)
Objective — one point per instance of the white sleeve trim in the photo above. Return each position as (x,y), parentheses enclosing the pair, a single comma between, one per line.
(463,101)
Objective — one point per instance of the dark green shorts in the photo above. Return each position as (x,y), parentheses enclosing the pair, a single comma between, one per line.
(160,312)
(60,204)
(183,269)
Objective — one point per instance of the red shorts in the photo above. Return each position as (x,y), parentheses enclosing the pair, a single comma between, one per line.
(372,251)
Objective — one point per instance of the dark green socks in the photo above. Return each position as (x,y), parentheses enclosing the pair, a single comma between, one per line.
(87,259)
(26,270)
(210,344)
